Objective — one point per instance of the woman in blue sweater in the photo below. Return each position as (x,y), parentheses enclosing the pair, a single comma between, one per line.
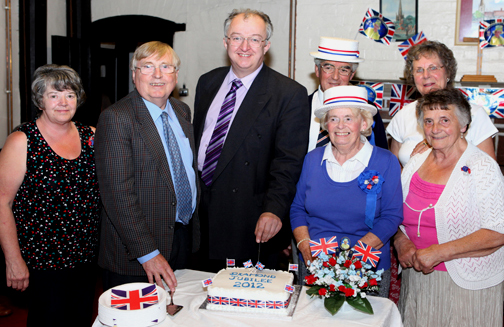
(332,196)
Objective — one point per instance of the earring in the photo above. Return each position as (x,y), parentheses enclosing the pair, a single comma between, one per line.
(447,80)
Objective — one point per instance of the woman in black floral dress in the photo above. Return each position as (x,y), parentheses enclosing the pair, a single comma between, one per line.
(49,201)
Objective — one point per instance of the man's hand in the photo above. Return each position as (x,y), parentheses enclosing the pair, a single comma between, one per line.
(267,226)
(157,269)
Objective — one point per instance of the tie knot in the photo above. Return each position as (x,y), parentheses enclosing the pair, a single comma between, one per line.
(236,84)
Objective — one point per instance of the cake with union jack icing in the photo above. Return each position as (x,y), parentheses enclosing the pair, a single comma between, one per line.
(132,305)
(250,290)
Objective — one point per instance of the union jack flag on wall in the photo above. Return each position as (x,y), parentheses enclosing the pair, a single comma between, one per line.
(400,95)
(386,28)
(326,245)
(367,253)
(492,100)
(409,43)
(375,93)
(134,299)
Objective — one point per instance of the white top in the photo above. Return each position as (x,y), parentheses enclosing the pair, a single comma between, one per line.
(315,123)
(352,168)
(404,129)
(469,202)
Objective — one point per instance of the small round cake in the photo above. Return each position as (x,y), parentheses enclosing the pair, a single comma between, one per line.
(123,316)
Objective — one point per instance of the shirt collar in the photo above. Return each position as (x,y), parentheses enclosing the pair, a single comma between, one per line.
(155,111)
(246,81)
(363,156)
(320,94)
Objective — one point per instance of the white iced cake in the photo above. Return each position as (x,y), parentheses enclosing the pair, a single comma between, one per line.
(132,305)
(248,289)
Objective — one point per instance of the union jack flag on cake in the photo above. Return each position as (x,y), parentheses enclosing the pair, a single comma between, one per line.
(377,27)
(220,300)
(366,253)
(491,33)
(289,288)
(492,100)
(248,264)
(234,302)
(275,304)
(400,95)
(134,299)
(326,245)
(375,93)
(256,304)
(293,267)
(259,266)
(409,43)
(230,262)
(207,282)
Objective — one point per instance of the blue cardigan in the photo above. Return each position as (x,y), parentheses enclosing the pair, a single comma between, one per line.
(329,208)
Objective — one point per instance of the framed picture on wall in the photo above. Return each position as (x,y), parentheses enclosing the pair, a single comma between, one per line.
(404,14)
(469,15)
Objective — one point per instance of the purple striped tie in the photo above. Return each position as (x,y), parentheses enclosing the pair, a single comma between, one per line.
(219,134)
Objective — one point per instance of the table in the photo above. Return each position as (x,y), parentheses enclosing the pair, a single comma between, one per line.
(309,312)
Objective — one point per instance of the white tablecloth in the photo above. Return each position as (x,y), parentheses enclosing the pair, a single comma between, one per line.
(309,312)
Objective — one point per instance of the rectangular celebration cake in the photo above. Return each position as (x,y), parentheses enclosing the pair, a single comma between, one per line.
(249,289)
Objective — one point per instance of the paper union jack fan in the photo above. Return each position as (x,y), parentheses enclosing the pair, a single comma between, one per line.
(409,43)
(376,27)
(491,33)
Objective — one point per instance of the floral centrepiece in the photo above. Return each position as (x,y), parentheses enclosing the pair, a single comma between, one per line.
(340,278)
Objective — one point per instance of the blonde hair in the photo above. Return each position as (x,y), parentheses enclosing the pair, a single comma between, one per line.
(154,47)
(365,115)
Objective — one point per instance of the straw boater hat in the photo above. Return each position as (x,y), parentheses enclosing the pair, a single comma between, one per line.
(336,49)
(347,96)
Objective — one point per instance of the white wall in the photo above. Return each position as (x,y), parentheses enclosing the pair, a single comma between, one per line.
(200,46)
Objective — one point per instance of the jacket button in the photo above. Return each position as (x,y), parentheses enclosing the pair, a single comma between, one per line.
(170,227)
(173,204)
(246,163)
(259,135)
(235,190)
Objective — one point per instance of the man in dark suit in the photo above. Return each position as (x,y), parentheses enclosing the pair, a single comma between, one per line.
(250,163)
(146,167)
(336,62)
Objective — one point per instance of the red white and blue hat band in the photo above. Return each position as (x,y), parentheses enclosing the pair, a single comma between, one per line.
(336,52)
(345,99)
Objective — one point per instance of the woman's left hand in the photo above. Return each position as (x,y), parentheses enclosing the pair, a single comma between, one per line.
(425,260)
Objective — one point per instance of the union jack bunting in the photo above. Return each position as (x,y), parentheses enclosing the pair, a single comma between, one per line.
(376,27)
(248,264)
(134,299)
(230,262)
(487,33)
(400,95)
(492,100)
(218,300)
(367,253)
(275,304)
(409,43)
(256,304)
(375,93)
(289,288)
(293,267)
(326,245)
(259,266)
(207,282)
(238,302)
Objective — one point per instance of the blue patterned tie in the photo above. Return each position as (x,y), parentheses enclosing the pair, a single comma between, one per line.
(219,134)
(181,182)
(323,138)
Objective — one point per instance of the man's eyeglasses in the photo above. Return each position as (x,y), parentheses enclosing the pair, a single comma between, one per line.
(343,70)
(430,69)
(254,42)
(149,69)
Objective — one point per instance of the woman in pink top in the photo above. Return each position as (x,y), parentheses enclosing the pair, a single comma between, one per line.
(453,228)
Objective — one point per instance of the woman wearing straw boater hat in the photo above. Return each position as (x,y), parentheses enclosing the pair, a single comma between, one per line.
(333,198)
(336,61)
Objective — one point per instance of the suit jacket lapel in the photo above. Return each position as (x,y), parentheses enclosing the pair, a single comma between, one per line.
(245,118)
(152,140)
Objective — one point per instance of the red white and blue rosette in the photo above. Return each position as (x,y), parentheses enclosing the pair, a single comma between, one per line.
(377,27)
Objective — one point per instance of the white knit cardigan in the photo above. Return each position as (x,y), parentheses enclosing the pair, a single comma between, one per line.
(469,202)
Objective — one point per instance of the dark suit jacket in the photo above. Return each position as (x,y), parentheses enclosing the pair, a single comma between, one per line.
(260,162)
(139,202)
(378,128)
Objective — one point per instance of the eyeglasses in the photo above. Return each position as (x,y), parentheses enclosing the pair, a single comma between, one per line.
(149,69)
(343,70)
(253,41)
(431,69)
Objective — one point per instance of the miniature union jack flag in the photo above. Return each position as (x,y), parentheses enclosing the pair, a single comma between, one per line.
(409,43)
(134,299)
(492,100)
(487,35)
(326,245)
(376,27)
(207,282)
(230,262)
(367,253)
(289,288)
(275,304)
(375,93)
(259,266)
(248,264)
(256,304)
(238,302)
(218,300)
(400,95)
(293,267)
